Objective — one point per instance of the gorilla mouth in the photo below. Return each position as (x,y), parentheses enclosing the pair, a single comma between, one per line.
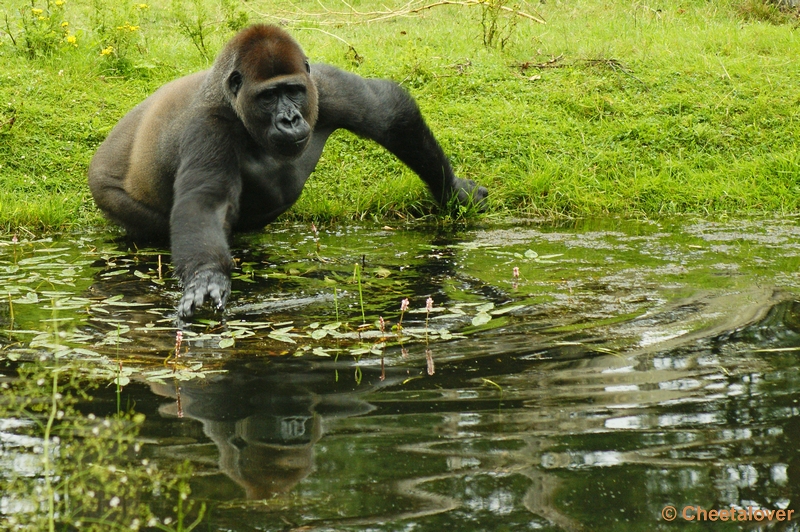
(290,148)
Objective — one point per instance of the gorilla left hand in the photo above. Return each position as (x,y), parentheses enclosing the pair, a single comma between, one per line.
(206,284)
(467,192)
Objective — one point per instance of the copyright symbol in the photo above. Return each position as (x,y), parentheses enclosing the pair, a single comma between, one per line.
(669,513)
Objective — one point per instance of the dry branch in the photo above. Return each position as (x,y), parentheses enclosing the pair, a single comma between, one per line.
(353,16)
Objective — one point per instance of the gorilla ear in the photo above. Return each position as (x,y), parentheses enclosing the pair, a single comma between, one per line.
(235,82)
(308,67)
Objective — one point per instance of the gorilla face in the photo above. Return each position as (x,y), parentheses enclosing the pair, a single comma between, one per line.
(288,131)
(277,102)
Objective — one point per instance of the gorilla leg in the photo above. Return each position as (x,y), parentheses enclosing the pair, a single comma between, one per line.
(140,221)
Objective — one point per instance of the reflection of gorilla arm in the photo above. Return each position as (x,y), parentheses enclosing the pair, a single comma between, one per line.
(231,148)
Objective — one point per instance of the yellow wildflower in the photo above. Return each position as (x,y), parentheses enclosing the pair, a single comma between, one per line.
(71,39)
(36,11)
(64,24)
(142,6)
(128,27)
(108,50)
(59,3)
(42,17)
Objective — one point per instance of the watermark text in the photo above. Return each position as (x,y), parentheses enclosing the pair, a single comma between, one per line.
(698,513)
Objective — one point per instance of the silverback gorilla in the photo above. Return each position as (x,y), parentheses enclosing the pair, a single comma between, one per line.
(230,149)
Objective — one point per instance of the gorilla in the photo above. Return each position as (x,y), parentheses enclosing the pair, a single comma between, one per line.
(230,148)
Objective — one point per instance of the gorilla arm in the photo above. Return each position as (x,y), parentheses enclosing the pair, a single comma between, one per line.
(382,111)
(207,188)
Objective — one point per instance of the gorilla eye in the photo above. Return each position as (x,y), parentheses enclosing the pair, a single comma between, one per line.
(235,82)
(267,95)
(308,67)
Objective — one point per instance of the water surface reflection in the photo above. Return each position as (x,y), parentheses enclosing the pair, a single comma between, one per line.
(627,367)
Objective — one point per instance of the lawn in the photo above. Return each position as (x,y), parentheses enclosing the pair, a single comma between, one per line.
(583,108)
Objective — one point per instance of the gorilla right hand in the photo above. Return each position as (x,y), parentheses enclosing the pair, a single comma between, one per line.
(206,284)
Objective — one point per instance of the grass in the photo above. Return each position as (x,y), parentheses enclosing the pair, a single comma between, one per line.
(611,107)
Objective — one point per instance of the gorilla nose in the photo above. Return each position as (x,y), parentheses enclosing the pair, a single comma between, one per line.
(289,122)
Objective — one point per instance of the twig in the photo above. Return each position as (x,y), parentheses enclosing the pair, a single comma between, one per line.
(410,8)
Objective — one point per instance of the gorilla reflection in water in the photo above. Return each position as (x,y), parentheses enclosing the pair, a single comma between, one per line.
(266,417)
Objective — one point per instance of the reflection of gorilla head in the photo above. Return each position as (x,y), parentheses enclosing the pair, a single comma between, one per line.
(265,422)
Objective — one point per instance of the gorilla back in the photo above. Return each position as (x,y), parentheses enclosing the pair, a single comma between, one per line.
(231,148)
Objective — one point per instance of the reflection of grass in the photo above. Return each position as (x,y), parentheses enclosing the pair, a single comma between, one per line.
(85,472)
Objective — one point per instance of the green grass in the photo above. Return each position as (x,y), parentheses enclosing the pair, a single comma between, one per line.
(633,110)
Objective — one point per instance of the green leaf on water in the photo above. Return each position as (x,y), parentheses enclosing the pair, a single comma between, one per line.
(282,337)
(481,318)
(320,352)
(225,343)
(486,307)
(506,310)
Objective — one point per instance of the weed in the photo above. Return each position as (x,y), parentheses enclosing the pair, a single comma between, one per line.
(193,22)
(117,32)
(498,25)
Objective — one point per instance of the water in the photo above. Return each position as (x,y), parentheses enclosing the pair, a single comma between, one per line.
(628,367)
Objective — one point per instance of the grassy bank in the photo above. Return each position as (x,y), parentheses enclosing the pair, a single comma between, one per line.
(610,107)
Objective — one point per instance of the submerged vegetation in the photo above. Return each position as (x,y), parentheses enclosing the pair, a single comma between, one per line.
(559,108)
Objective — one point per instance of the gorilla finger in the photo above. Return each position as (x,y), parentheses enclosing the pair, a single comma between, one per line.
(185,308)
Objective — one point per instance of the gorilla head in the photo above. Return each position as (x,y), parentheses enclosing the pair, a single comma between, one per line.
(268,84)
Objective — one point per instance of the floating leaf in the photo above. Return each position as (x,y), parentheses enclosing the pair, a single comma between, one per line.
(225,343)
(319,334)
(282,337)
(531,254)
(30,297)
(481,318)
(544,258)
(506,310)
(486,307)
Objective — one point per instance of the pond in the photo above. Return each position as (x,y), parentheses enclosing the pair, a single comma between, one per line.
(583,375)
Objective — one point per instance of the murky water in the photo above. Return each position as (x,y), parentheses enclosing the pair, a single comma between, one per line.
(582,376)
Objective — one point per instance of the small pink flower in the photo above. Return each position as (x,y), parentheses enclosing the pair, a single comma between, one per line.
(404,305)
(178,340)
(515,272)
(429,304)
(14,239)
(382,323)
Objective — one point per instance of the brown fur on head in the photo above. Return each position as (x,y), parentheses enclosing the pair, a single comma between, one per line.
(267,51)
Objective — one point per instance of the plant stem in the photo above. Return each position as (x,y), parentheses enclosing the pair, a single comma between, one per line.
(46,458)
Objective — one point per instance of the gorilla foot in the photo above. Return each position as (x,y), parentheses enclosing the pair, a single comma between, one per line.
(210,285)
